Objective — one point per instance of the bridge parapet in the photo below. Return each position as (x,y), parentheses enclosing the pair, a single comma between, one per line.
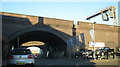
(33,19)
(102,27)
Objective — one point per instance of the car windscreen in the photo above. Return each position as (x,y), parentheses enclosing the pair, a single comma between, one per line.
(20,52)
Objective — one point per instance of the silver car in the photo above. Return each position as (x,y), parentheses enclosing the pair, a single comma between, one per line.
(21,56)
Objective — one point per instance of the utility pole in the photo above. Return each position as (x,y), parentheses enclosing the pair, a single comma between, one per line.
(94,57)
(106,13)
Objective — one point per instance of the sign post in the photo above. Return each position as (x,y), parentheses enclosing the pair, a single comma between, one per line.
(92,33)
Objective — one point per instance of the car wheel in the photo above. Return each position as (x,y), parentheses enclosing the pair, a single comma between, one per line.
(30,65)
(8,65)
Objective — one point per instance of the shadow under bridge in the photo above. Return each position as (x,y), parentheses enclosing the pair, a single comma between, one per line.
(56,45)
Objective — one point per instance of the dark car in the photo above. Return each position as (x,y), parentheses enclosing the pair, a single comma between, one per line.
(105,53)
(86,53)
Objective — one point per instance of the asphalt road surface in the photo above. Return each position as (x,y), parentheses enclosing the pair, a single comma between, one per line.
(73,63)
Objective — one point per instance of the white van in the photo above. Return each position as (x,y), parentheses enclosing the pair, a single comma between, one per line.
(35,50)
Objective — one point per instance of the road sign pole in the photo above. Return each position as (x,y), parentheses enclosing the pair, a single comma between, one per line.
(94,41)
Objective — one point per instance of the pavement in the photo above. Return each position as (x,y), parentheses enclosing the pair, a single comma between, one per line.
(96,62)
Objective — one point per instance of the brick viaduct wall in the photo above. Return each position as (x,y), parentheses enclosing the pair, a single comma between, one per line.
(12,23)
(103,33)
(62,25)
(15,22)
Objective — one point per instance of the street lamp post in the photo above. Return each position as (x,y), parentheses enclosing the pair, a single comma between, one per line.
(93,40)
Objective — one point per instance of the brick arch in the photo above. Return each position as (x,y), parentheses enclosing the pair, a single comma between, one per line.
(61,35)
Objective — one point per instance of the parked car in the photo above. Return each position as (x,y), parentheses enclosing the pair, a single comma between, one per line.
(21,56)
(105,53)
(118,52)
(89,54)
(86,53)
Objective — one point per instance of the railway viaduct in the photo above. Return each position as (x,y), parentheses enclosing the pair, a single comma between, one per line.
(62,35)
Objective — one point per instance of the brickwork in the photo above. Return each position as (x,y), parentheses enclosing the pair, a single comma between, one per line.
(17,24)
(32,19)
(62,25)
(103,33)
